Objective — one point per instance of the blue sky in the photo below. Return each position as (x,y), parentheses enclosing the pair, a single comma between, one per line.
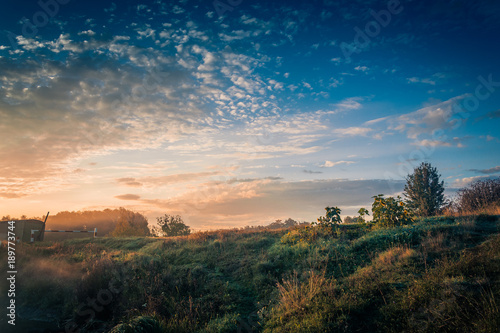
(245,112)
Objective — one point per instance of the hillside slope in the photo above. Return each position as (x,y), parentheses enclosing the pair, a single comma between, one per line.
(436,275)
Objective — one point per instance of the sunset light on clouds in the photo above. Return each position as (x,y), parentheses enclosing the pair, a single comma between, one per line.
(242,114)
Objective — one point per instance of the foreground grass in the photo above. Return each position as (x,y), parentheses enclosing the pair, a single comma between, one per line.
(437,275)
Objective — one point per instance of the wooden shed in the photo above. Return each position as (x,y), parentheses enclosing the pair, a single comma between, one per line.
(22,230)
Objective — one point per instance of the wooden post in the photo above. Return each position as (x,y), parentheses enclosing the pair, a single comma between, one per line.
(42,234)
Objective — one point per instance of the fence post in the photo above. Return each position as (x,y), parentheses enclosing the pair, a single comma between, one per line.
(32,240)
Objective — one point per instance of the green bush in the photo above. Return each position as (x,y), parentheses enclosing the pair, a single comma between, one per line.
(362,213)
(390,212)
(331,219)
(305,234)
(326,225)
(170,225)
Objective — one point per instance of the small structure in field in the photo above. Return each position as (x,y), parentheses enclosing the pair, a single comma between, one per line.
(22,229)
(30,230)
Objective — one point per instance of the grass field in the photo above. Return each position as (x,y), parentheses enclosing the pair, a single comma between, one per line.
(439,274)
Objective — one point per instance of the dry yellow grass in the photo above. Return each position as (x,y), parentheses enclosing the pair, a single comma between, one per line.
(433,243)
(394,255)
(381,269)
(296,296)
(493,209)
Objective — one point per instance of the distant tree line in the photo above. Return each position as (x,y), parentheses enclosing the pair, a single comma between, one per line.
(109,222)
(424,196)
(423,192)
(279,224)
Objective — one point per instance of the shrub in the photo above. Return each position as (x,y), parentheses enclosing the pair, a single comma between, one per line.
(479,195)
(390,212)
(295,296)
(305,234)
(331,218)
(326,225)
(304,304)
(362,212)
(171,225)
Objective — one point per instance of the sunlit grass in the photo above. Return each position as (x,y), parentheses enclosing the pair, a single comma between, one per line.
(437,274)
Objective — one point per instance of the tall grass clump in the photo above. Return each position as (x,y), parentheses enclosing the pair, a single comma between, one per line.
(303,303)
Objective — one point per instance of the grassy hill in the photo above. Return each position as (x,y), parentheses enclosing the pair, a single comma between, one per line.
(436,275)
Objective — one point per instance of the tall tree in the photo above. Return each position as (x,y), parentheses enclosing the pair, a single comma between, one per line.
(424,190)
(170,225)
(131,224)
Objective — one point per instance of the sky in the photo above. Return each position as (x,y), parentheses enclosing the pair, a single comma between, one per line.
(239,112)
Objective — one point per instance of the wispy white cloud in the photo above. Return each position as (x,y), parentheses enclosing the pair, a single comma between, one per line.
(87,32)
(421,80)
(463,182)
(352,103)
(146,33)
(432,143)
(176,9)
(353,131)
(329,164)
(454,142)
(377,120)
(361,68)
(160,181)
(428,119)
(336,60)
(433,80)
